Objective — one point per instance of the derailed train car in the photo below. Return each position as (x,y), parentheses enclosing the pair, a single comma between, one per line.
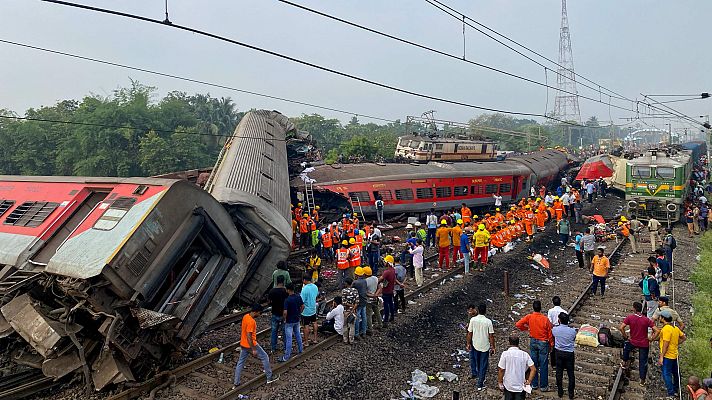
(107,276)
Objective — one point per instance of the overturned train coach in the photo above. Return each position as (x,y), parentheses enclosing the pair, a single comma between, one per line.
(415,188)
(108,276)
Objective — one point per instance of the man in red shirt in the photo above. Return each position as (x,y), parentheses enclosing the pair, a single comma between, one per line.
(540,341)
(248,344)
(388,280)
(637,339)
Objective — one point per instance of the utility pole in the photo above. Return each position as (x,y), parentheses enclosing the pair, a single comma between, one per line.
(566,105)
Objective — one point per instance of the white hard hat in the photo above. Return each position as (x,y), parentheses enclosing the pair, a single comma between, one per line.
(409,226)
(417,223)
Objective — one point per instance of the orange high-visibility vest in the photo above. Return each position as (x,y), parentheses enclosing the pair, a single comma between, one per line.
(466,214)
(298,213)
(355,259)
(540,218)
(355,223)
(345,224)
(359,240)
(342,258)
(326,239)
(315,215)
(303,225)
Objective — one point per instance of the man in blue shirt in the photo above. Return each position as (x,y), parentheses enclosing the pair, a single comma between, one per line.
(309,294)
(564,340)
(577,247)
(465,247)
(293,307)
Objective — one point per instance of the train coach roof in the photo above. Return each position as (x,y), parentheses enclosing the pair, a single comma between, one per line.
(661,160)
(89,180)
(346,173)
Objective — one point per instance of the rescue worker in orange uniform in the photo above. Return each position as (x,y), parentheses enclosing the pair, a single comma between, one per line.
(558,209)
(354,256)
(496,239)
(466,214)
(529,222)
(358,238)
(540,219)
(355,221)
(304,232)
(442,237)
(498,216)
(342,264)
(298,212)
(315,214)
(510,213)
(455,233)
(327,244)
(295,232)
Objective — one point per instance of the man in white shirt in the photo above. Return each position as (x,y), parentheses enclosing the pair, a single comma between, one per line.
(553,316)
(334,319)
(497,199)
(532,191)
(566,202)
(653,227)
(513,366)
(480,343)
(417,253)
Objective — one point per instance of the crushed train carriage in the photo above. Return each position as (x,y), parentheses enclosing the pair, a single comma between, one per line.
(106,277)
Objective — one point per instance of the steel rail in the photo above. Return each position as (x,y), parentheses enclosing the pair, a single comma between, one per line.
(261,379)
(161,378)
(618,381)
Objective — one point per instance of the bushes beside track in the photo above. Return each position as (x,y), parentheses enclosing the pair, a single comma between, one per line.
(696,352)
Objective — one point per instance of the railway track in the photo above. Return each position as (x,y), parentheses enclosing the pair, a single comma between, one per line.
(598,371)
(22,385)
(190,379)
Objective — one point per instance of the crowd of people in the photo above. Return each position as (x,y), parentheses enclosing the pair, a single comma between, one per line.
(373,272)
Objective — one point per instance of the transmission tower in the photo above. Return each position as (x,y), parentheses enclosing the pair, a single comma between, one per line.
(566,106)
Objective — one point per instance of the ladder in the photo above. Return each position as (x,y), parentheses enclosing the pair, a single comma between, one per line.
(309,196)
(354,199)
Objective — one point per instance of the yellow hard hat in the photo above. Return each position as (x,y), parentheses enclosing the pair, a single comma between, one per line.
(475,216)
(512,221)
(367,271)
(317,207)
(305,215)
(352,241)
(536,211)
(528,207)
(556,197)
(538,199)
(388,259)
(512,208)
(620,223)
(497,209)
(355,214)
(345,243)
(358,271)
(299,204)
(443,222)
(624,219)
(481,227)
(459,222)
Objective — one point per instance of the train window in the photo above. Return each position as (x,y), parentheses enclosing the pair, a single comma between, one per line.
(484,148)
(114,213)
(439,146)
(30,213)
(505,188)
(665,172)
(424,193)
(359,196)
(477,189)
(404,194)
(384,194)
(640,171)
(140,189)
(438,155)
(460,190)
(443,192)
(5,205)
(491,188)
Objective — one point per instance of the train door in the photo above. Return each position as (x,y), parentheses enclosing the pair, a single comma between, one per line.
(516,186)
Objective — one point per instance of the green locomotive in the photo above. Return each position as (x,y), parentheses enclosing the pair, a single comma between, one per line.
(657,184)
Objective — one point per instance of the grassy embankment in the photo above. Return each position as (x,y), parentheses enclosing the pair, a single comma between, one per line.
(696,352)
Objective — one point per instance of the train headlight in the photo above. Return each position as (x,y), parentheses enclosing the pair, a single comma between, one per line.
(671,207)
(632,205)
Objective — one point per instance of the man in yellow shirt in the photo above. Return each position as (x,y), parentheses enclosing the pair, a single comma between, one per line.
(455,233)
(481,240)
(599,271)
(670,338)
(442,237)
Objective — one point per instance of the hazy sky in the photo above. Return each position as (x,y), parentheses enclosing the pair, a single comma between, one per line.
(631,46)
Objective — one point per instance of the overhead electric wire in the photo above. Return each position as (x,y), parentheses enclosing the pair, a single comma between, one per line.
(440,6)
(192,80)
(440,52)
(307,63)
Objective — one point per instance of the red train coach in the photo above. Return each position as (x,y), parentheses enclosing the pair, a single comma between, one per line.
(440,185)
